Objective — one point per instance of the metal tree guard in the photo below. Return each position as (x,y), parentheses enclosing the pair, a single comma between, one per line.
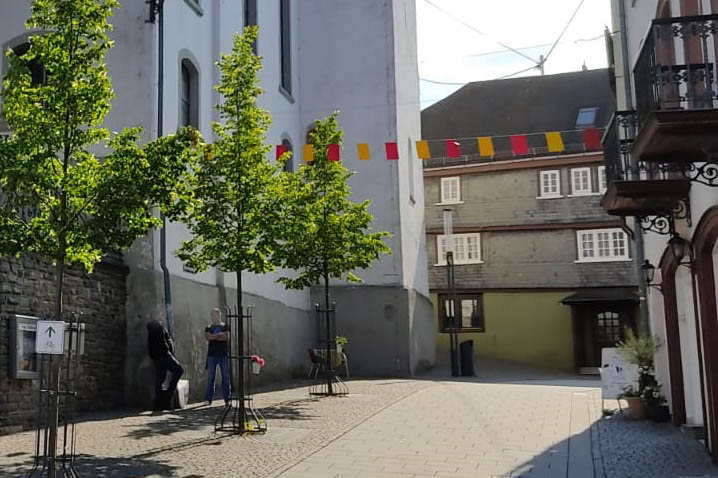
(239,416)
(329,384)
(451,287)
(46,462)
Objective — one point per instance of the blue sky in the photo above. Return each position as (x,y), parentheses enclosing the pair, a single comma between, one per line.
(452,52)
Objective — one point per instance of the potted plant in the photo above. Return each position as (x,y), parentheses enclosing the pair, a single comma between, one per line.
(636,407)
(639,350)
(340,343)
(257,364)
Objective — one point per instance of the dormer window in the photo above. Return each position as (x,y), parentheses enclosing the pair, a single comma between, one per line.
(587,117)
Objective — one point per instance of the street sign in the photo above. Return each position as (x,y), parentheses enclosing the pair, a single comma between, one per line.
(50,338)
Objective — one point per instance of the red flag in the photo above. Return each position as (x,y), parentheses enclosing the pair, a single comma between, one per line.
(392,151)
(592,139)
(281,149)
(452,148)
(333,152)
(520,145)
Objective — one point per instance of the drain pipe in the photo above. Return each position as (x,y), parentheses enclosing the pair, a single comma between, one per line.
(643,326)
(157,7)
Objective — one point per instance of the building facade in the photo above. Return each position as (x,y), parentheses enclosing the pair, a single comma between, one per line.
(662,169)
(543,275)
(305,77)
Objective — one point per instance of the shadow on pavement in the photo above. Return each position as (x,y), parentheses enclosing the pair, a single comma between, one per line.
(188,419)
(102,467)
(292,410)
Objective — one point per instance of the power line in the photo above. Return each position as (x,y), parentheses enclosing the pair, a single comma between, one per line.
(470,27)
(450,83)
(570,20)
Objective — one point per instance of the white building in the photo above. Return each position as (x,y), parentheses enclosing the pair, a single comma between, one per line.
(319,56)
(666,54)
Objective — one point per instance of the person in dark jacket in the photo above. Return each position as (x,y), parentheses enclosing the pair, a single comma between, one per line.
(161,350)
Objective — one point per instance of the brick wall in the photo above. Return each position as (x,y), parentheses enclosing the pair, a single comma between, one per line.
(27,287)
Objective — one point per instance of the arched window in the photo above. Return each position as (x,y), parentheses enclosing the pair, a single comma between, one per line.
(289,164)
(188,95)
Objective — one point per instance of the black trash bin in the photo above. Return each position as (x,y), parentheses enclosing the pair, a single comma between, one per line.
(466,353)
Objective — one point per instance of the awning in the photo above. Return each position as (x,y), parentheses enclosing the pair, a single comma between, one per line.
(599,295)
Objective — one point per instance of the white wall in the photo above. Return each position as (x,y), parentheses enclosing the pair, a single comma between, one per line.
(689,349)
(348,51)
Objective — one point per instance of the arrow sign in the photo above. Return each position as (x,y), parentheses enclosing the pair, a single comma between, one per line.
(50,337)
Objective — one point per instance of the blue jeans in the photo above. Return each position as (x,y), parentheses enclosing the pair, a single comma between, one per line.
(212,362)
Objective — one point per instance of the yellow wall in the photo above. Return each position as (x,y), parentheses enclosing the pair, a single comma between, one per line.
(526,327)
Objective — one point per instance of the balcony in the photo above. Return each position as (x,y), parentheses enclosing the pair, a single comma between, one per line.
(638,188)
(676,91)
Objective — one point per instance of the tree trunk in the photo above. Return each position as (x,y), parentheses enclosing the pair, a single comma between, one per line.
(328,318)
(239,334)
(56,361)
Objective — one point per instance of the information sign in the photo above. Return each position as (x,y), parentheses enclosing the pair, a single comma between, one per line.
(50,338)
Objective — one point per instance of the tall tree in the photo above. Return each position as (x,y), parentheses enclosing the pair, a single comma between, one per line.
(325,234)
(234,187)
(233,211)
(58,199)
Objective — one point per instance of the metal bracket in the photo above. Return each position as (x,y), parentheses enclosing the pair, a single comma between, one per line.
(703,173)
(155,8)
(660,224)
(665,223)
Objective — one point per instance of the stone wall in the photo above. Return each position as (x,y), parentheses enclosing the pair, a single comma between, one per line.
(27,288)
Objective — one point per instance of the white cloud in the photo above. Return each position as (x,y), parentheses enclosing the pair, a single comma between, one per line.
(451,52)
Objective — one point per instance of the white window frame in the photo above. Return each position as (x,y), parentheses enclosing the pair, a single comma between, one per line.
(604,245)
(461,249)
(576,172)
(444,182)
(543,175)
(602,180)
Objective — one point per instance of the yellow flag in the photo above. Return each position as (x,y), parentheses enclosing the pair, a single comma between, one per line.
(486,147)
(422,149)
(554,142)
(363,151)
(308,153)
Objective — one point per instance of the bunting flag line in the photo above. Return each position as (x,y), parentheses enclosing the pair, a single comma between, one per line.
(554,142)
(422,149)
(452,148)
(392,151)
(308,153)
(574,141)
(520,145)
(333,152)
(486,147)
(592,139)
(363,151)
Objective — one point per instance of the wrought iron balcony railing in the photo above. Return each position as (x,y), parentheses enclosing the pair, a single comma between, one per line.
(617,146)
(676,69)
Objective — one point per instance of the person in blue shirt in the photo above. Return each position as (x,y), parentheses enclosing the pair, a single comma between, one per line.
(217,335)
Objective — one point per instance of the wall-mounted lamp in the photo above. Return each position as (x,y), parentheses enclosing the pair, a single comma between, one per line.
(680,248)
(649,270)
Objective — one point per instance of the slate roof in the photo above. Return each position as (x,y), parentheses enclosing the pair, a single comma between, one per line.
(534,104)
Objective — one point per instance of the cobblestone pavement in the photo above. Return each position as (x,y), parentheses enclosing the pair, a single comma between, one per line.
(492,426)
(468,429)
(631,449)
(182,444)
